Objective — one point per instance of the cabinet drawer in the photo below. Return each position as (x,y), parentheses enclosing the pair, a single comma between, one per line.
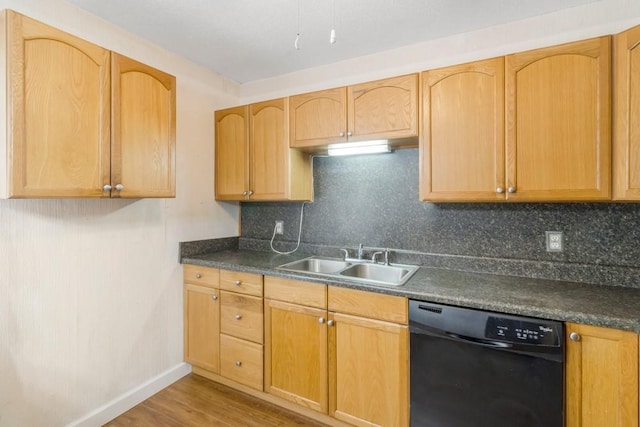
(243,283)
(241,316)
(203,276)
(368,304)
(296,292)
(241,361)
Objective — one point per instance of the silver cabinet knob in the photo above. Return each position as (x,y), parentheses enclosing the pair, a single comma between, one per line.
(238,316)
(198,275)
(245,193)
(238,363)
(330,323)
(238,282)
(321,320)
(341,134)
(574,336)
(214,297)
(349,133)
(500,190)
(119,187)
(511,189)
(250,192)
(106,187)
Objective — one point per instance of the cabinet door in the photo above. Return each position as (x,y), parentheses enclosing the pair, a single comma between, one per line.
(462,146)
(318,118)
(559,122)
(59,112)
(368,371)
(296,354)
(626,152)
(601,377)
(202,327)
(143,136)
(383,109)
(232,153)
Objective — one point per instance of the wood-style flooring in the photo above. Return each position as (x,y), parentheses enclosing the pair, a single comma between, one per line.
(197,401)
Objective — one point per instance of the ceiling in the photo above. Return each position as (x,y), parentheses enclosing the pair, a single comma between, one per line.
(248,40)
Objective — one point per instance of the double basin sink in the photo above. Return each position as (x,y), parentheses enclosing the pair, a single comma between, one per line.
(365,271)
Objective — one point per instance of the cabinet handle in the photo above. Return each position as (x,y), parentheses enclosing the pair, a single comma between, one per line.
(251,192)
(214,297)
(574,336)
(330,323)
(321,320)
(119,187)
(238,363)
(238,282)
(238,316)
(500,190)
(349,133)
(106,187)
(511,189)
(341,134)
(245,193)
(198,275)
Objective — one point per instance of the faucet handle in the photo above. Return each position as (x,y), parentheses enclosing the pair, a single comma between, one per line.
(360,250)
(386,256)
(345,252)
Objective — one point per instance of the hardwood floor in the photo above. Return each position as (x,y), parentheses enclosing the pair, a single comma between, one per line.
(197,401)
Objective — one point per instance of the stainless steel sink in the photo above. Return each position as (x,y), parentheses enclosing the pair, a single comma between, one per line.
(367,272)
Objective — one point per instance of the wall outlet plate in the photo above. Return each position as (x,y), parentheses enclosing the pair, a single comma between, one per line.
(279,227)
(555,241)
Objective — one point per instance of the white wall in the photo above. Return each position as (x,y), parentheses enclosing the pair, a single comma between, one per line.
(589,20)
(90,290)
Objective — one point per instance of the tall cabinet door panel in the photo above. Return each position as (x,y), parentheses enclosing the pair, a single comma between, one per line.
(318,118)
(232,153)
(143,130)
(60,119)
(296,354)
(462,147)
(601,377)
(559,122)
(202,327)
(626,164)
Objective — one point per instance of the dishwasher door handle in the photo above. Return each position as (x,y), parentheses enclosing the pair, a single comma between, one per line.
(479,341)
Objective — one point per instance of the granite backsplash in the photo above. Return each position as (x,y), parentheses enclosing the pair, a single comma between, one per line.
(373,199)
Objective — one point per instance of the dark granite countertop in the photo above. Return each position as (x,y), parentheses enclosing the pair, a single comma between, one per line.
(611,306)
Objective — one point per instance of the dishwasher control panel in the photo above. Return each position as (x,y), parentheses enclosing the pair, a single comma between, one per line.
(520,331)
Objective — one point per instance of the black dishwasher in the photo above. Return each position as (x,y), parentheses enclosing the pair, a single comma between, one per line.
(472,368)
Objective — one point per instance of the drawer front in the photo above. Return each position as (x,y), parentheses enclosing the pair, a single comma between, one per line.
(203,276)
(368,304)
(241,316)
(243,283)
(296,292)
(241,361)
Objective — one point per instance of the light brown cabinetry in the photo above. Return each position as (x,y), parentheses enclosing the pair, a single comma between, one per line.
(462,147)
(202,317)
(65,137)
(626,132)
(382,109)
(253,158)
(337,350)
(558,130)
(601,377)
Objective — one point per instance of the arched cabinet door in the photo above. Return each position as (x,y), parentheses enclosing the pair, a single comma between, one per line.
(318,118)
(232,153)
(59,102)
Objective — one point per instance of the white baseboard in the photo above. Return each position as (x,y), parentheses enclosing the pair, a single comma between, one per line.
(128,400)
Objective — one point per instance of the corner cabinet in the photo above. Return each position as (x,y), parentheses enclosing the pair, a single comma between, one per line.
(626,143)
(601,377)
(65,138)
(558,130)
(253,158)
(462,147)
(382,109)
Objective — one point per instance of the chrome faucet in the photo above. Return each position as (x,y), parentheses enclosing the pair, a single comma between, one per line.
(374,256)
(386,256)
(360,251)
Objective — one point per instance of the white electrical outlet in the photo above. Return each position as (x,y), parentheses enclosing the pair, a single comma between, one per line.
(555,242)
(279,227)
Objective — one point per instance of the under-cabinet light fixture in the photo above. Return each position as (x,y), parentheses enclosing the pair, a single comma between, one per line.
(362,147)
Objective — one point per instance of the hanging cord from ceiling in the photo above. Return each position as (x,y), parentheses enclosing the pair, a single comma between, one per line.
(299,234)
(296,43)
(332,34)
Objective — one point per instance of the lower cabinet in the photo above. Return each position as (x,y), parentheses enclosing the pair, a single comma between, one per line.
(338,351)
(601,377)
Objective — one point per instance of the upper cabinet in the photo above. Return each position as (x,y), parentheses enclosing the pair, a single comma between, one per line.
(383,109)
(558,130)
(462,148)
(63,137)
(626,143)
(253,158)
